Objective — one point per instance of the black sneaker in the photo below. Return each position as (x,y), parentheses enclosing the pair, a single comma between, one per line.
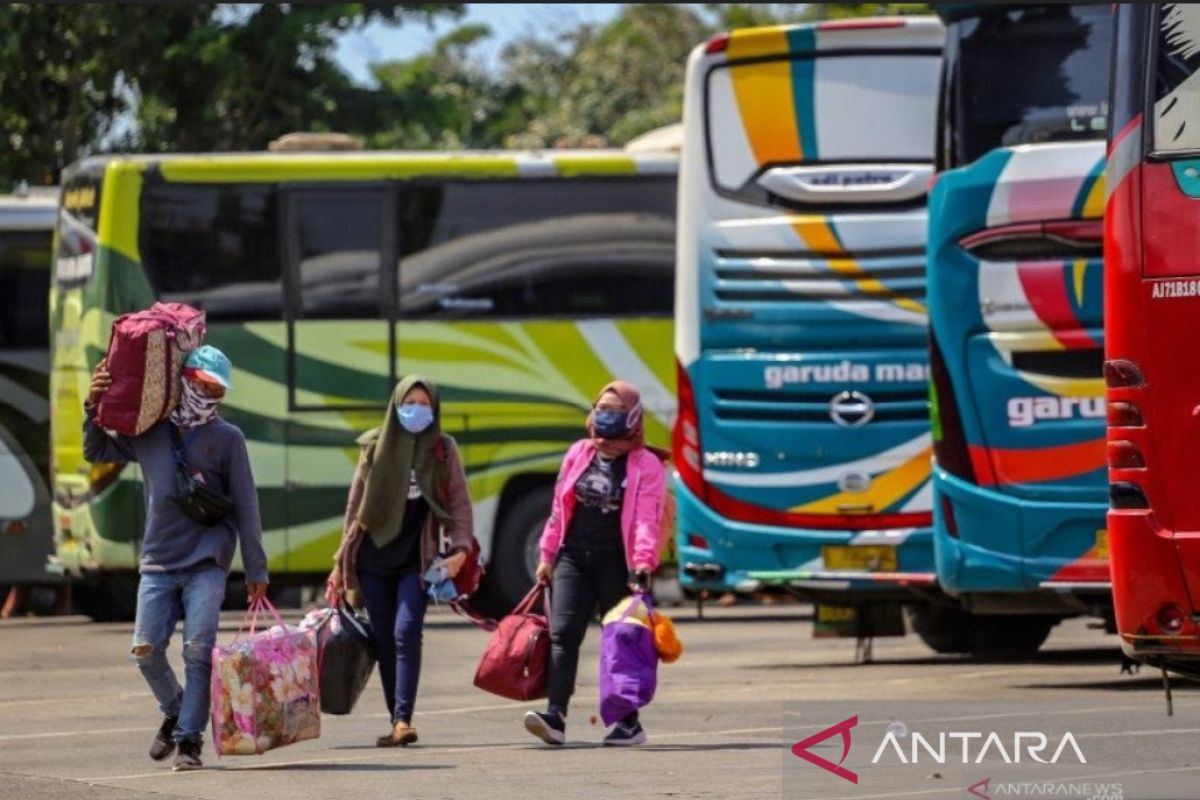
(164,740)
(549,726)
(625,735)
(189,755)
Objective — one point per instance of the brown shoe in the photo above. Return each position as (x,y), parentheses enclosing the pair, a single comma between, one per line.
(402,735)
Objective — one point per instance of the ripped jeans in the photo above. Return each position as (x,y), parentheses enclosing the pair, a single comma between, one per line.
(195,594)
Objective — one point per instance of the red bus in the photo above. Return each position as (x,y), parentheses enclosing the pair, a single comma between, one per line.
(1152,309)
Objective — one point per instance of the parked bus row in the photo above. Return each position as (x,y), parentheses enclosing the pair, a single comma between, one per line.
(885,269)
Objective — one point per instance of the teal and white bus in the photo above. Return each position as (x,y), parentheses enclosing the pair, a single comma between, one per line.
(802,442)
(520,282)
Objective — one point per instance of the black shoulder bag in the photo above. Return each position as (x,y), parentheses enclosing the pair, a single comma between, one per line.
(199,501)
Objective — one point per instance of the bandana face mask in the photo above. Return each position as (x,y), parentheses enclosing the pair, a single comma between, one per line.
(195,407)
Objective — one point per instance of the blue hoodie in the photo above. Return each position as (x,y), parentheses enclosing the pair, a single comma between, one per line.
(173,540)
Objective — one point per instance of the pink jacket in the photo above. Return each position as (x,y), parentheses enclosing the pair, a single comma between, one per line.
(645,486)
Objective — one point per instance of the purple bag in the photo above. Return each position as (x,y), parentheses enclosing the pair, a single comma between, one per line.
(628,659)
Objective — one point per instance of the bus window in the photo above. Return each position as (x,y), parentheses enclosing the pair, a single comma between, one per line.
(875,107)
(537,249)
(213,247)
(1056,91)
(1176,126)
(338,237)
(24,283)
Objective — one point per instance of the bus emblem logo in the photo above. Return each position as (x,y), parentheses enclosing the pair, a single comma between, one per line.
(854,483)
(851,409)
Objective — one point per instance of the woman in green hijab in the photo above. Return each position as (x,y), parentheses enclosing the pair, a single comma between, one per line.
(409,488)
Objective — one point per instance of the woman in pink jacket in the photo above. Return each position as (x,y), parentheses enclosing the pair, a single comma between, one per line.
(601,541)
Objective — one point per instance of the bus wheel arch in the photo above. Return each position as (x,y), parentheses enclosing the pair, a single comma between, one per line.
(520,516)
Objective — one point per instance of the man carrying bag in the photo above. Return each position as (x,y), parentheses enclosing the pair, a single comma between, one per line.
(201,504)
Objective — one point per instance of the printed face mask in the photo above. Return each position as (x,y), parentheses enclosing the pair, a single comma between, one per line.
(414,417)
(610,424)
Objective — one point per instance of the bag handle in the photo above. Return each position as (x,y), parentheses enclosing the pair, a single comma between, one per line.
(644,599)
(526,604)
(252,616)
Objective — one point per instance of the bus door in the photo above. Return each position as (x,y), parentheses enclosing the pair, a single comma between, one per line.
(340,349)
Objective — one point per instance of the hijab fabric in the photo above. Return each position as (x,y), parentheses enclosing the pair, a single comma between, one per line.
(397,455)
(631,398)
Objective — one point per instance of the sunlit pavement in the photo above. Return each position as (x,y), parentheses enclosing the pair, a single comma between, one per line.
(76,718)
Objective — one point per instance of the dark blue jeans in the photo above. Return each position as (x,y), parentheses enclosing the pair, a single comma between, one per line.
(396,606)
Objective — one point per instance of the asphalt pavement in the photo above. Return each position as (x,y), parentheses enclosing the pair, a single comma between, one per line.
(76,720)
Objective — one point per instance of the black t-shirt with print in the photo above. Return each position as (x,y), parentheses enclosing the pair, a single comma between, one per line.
(599,494)
(402,554)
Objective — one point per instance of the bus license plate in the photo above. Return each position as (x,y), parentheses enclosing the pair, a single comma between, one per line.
(1101,544)
(865,558)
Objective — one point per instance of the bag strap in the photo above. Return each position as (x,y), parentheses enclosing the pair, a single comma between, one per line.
(464,609)
(179,446)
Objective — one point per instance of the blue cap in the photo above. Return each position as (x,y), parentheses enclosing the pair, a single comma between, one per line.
(207,363)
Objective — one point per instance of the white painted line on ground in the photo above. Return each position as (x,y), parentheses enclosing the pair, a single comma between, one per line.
(91,698)
(62,734)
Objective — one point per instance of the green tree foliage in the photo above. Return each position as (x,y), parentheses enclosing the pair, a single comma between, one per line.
(81,77)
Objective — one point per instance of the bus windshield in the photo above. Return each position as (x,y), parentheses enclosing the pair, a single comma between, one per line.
(1057,90)
(858,107)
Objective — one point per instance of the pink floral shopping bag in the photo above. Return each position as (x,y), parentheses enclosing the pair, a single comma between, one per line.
(265,687)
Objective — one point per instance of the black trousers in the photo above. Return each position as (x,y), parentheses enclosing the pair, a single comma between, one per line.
(581,579)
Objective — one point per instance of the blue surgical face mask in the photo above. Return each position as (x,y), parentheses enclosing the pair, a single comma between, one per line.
(414,417)
(610,424)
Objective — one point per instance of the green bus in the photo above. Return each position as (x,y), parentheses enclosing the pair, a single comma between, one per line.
(519,281)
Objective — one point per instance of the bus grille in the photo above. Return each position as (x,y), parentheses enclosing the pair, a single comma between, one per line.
(787,277)
(812,405)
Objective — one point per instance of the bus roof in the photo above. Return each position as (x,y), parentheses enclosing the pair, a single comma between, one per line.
(869,33)
(265,167)
(32,212)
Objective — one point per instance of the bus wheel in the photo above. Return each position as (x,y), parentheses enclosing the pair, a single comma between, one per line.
(108,598)
(515,551)
(944,629)
(1010,637)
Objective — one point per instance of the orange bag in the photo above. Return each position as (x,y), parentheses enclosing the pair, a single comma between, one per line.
(665,640)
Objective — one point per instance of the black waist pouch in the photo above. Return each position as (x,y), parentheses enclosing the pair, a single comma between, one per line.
(198,500)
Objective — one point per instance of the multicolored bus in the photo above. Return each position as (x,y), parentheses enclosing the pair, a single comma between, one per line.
(26,234)
(520,282)
(802,443)
(1015,302)
(1152,290)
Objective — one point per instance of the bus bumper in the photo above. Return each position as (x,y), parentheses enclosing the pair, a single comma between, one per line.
(985,541)
(722,555)
(1155,617)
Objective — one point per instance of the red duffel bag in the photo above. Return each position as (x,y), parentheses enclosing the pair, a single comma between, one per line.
(145,358)
(516,660)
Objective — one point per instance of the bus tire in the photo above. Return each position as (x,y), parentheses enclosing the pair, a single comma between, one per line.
(516,545)
(1010,637)
(108,598)
(944,629)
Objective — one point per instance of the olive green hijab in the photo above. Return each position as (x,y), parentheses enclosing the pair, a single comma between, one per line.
(397,454)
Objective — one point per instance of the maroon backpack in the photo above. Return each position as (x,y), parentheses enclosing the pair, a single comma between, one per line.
(516,661)
(145,359)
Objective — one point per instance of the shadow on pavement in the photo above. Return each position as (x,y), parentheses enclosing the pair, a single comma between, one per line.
(1127,684)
